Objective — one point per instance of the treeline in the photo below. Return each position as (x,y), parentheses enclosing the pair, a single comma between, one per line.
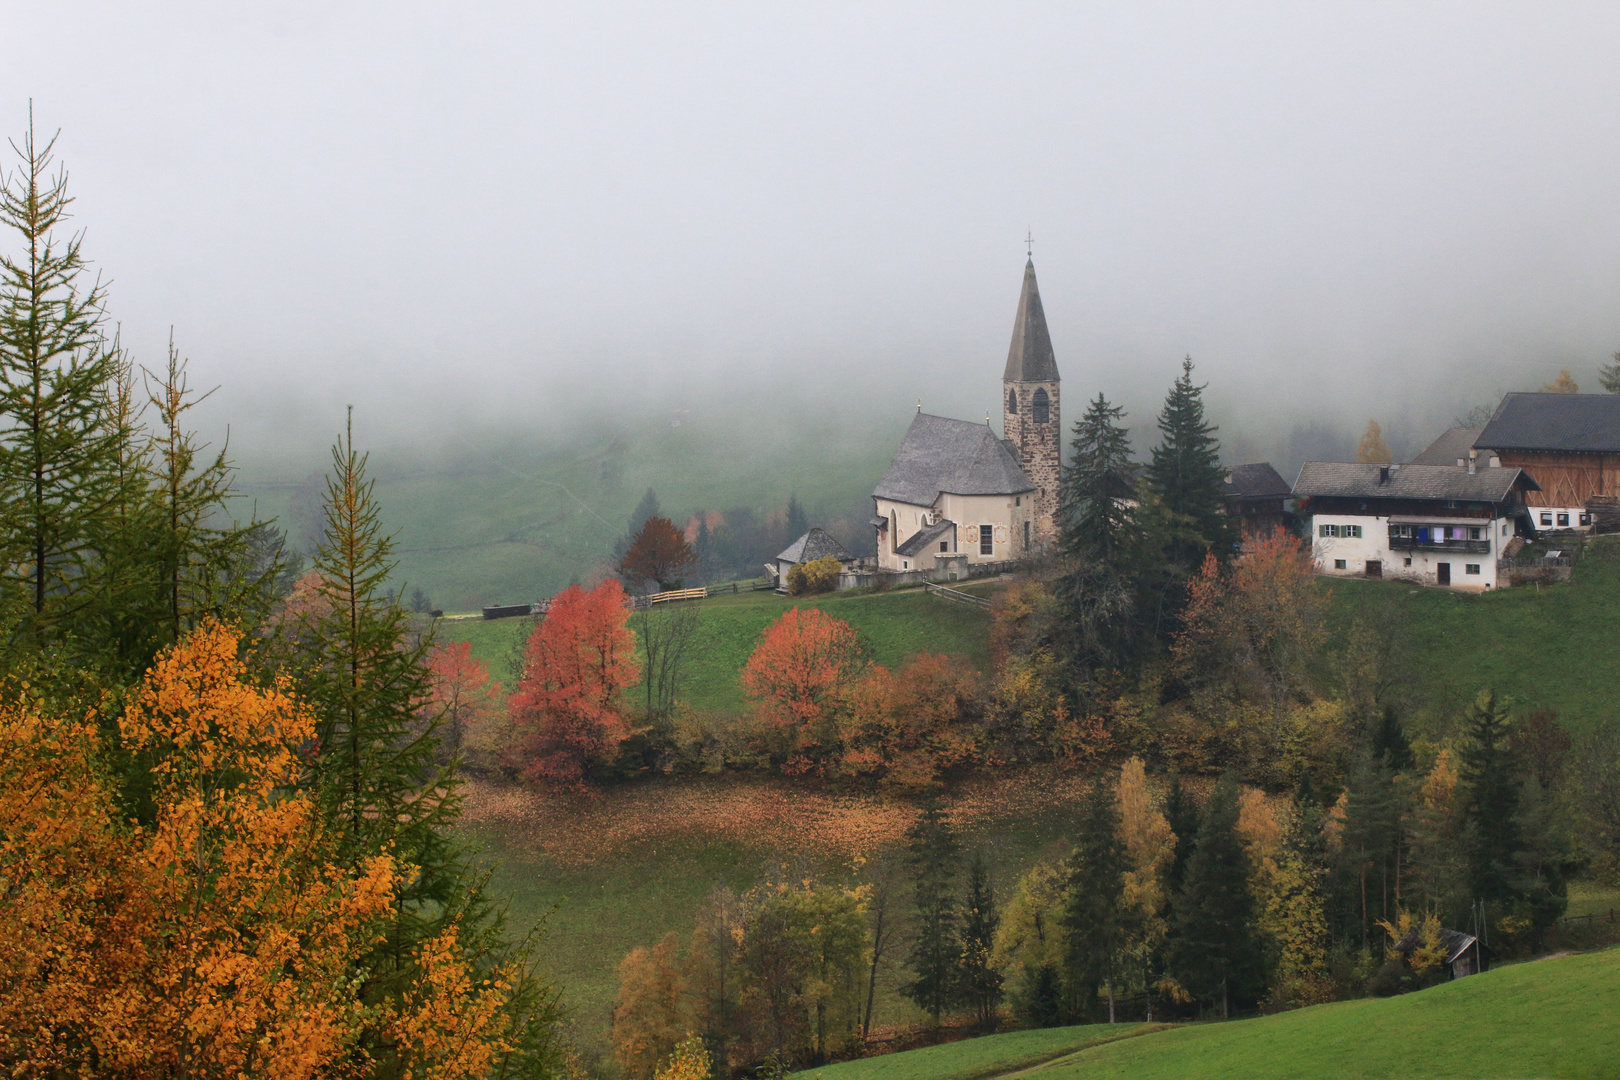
(224,804)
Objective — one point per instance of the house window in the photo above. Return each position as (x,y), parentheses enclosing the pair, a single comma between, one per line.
(1506,528)
(1546,519)
(904,565)
(1473,534)
(1471,568)
(1018,500)
(1409,560)
(1586,519)
(942,546)
(1563,521)
(1344,531)
(1338,564)
(1041,407)
(987,540)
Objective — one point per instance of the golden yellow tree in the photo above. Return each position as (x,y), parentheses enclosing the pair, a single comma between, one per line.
(1564,384)
(1372,448)
(650,1014)
(224,938)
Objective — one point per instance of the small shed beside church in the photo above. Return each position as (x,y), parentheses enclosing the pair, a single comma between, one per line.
(813,545)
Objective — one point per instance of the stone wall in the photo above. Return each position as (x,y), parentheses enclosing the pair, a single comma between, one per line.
(1039,446)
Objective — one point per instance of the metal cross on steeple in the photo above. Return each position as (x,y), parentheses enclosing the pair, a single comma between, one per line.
(1029,243)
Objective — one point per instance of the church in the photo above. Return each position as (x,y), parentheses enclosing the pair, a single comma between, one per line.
(955,495)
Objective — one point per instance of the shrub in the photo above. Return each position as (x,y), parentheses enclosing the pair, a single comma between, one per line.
(816,576)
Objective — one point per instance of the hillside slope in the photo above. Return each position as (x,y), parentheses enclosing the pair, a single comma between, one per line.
(1550,1018)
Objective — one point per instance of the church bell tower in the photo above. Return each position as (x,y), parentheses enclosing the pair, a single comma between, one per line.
(1031,421)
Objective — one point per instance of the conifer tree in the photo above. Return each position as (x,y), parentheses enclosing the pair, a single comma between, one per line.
(1187,476)
(1609,375)
(1489,776)
(1213,952)
(1094,918)
(1368,846)
(797,522)
(1096,523)
(981,982)
(1182,814)
(933,855)
(59,468)
(366,676)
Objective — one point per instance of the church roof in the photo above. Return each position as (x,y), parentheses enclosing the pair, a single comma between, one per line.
(1030,357)
(815,544)
(963,458)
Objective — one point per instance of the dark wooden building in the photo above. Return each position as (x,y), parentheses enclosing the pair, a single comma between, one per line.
(1570,444)
(1258,497)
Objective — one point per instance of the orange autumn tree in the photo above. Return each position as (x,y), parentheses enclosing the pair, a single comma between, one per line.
(225,938)
(906,726)
(567,713)
(796,678)
(463,697)
(659,553)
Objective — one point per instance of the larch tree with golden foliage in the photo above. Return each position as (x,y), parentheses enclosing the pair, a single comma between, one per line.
(1372,449)
(227,938)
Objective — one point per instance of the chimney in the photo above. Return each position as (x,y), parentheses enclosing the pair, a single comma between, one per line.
(1473,460)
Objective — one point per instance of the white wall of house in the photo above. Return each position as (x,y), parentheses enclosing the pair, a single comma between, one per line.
(1004,515)
(1560,517)
(1344,555)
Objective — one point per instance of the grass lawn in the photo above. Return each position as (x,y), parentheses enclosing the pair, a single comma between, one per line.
(1550,647)
(973,1059)
(1548,1018)
(894,627)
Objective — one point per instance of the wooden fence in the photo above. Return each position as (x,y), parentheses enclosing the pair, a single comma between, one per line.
(956,595)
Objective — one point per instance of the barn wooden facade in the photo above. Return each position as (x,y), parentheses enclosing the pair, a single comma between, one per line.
(1570,444)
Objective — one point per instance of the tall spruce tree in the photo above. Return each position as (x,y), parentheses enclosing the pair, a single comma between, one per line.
(1186,475)
(1182,814)
(1214,954)
(59,465)
(798,523)
(933,855)
(1366,870)
(1489,777)
(1609,375)
(364,674)
(980,981)
(1094,919)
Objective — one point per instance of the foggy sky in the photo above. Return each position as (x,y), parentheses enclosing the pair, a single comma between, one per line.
(534,211)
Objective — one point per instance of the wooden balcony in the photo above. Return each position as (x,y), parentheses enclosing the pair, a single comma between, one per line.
(1412,543)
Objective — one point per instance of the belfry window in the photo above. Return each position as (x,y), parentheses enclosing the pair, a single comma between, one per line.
(1041,407)
(1012,402)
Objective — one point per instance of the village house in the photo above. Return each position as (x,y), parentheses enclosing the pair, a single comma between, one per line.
(1429,524)
(1570,444)
(956,495)
(813,545)
(1257,496)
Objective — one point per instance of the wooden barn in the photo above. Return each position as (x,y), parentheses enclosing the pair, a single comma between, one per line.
(1465,953)
(1257,496)
(1570,444)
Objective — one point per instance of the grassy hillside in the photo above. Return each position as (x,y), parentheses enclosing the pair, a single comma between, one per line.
(1550,647)
(494,518)
(894,626)
(1550,1018)
(975,1059)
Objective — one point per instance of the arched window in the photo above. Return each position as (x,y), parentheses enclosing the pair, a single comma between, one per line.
(1012,402)
(1041,410)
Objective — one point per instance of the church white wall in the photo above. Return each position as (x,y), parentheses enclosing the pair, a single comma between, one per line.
(1004,515)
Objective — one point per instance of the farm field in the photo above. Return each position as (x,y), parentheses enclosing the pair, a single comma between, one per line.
(1548,1018)
(894,626)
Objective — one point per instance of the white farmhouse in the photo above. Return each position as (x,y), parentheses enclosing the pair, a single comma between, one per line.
(1429,524)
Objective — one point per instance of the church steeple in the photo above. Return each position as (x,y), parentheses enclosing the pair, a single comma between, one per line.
(1030,357)
(1032,422)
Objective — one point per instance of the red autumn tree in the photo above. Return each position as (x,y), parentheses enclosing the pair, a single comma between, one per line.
(659,552)
(796,679)
(463,696)
(579,660)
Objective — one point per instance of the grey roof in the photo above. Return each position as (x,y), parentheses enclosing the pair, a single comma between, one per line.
(1257,481)
(1352,479)
(939,454)
(918,541)
(815,544)
(1450,447)
(1030,357)
(1572,422)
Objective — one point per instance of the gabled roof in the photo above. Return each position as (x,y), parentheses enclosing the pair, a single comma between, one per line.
(1030,358)
(1449,448)
(1578,423)
(1258,481)
(1351,479)
(1455,941)
(939,454)
(815,544)
(918,542)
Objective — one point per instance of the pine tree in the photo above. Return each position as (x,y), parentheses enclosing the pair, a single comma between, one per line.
(1094,919)
(1187,475)
(797,522)
(59,467)
(980,981)
(933,855)
(367,678)
(1096,523)
(1609,375)
(1367,868)
(1489,777)
(1182,813)
(1214,954)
